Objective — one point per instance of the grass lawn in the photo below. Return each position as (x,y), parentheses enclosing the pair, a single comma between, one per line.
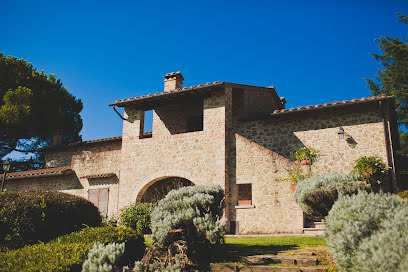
(235,248)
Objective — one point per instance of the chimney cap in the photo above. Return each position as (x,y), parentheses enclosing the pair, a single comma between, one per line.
(174,74)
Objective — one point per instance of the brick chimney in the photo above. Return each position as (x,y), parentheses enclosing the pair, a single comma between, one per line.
(173,81)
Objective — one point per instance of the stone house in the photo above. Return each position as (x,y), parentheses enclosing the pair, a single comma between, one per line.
(237,136)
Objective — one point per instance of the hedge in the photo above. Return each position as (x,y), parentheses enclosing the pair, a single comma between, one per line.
(68,253)
(32,216)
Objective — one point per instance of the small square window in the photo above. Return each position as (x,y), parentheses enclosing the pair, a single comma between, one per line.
(244,194)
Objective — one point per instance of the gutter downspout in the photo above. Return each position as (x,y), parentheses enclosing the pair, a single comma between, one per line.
(389,147)
(118,113)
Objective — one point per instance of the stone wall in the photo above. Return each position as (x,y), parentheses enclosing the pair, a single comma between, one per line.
(196,156)
(100,163)
(174,118)
(318,130)
(259,102)
(62,156)
(67,184)
(77,184)
(274,208)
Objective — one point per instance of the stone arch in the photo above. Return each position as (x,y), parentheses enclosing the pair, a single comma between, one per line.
(157,189)
(160,174)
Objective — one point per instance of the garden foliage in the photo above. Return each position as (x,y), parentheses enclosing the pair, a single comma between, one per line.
(103,258)
(68,252)
(370,168)
(317,194)
(355,223)
(137,217)
(32,216)
(185,224)
(403,194)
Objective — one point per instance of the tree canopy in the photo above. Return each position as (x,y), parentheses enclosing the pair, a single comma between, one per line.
(393,78)
(33,107)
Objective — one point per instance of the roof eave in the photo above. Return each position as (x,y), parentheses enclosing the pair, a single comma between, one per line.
(64,173)
(331,106)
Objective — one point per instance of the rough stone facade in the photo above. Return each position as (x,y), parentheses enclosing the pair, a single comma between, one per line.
(236,136)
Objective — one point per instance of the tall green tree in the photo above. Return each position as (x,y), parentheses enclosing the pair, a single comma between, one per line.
(393,78)
(33,107)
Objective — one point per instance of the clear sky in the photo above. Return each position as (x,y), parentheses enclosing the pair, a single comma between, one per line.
(312,51)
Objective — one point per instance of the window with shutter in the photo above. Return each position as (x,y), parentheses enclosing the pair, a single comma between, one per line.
(100,198)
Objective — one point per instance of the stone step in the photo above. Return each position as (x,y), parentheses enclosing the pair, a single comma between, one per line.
(318,225)
(287,260)
(233,267)
(313,231)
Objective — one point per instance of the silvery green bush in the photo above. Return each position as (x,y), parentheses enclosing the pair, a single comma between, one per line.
(102,258)
(185,224)
(353,219)
(325,190)
(197,209)
(386,249)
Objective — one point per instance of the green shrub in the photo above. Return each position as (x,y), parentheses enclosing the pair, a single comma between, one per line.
(68,252)
(103,258)
(32,216)
(304,154)
(403,194)
(317,194)
(295,175)
(355,218)
(137,217)
(386,249)
(371,168)
(185,224)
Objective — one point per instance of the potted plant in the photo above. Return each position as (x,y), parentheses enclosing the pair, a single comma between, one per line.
(371,169)
(244,202)
(306,156)
(295,174)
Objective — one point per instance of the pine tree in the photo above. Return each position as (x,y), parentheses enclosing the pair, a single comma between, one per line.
(393,78)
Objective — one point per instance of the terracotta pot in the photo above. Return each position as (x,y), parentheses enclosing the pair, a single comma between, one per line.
(244,202)
(305,162)
(293,187)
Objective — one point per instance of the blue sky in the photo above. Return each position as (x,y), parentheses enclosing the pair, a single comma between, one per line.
(312,51)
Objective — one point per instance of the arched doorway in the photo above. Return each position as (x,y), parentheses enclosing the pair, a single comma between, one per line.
(162,187)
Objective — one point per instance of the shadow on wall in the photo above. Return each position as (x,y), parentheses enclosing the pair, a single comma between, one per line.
(279,134)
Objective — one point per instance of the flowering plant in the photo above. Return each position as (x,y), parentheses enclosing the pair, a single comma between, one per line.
(369,166)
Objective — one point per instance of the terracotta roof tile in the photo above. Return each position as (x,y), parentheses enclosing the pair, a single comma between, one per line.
(106,175)
(102,140)
(158,94)
(64,170)
(327,105)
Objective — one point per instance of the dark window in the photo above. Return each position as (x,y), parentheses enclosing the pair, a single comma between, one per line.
(244,194)
(195,123)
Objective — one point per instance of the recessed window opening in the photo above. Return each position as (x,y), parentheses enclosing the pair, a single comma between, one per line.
(195,123)
(148,124)
(244,194)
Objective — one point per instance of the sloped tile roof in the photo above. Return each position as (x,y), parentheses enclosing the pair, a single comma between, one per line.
(106,175)
(64,170)
(159,94)
(333,104)
(101,140)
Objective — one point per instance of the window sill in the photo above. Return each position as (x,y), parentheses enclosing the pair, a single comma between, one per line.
(244,207)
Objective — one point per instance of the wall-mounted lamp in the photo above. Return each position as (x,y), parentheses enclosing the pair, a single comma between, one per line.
(340,133)
(349,139)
